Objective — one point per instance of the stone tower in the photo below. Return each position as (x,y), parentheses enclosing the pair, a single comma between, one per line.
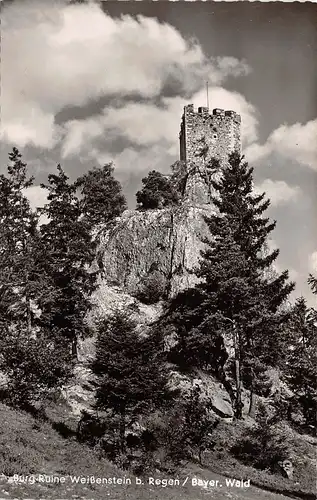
(204,136)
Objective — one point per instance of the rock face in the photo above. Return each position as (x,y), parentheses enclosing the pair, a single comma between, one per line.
(211,390)
(162,247)
(166,241)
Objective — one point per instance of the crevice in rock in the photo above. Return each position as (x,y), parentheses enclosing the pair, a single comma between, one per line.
(172,247)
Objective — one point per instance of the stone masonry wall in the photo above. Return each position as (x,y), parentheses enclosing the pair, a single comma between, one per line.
(219,132)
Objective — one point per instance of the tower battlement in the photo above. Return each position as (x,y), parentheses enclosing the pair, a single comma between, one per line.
(219,130)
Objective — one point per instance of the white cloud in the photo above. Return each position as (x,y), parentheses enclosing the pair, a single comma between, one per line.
(293,274)
(279,192)
(313,262)
(150,126)
(32,127)
(62,55)
(229,66)
(129,161)
(79,134)
(37,197)
(140,123)
(296,142)
(152,158)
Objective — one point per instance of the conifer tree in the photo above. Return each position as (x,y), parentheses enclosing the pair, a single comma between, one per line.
(131,376)
(236,304)
(198,422)
(301,359)
(18,225)
(69,252)
(312,281)
(32,360)
(101,195)
(263,445)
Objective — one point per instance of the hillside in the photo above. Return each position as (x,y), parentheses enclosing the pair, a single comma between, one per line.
(211,375)
(29,447)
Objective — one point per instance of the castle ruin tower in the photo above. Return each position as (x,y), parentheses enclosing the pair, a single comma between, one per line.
(204,136)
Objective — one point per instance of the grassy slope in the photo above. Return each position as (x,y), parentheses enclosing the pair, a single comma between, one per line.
(302,452)
(30,447)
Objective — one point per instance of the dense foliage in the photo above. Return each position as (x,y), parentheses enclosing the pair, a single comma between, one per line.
(32,359)
(157,192)
(132,380)
(234,324)
(46,273)
(237,304)
(262,446)
(101,195)
(301,362)
(18,229)
(69,251)
(152,288)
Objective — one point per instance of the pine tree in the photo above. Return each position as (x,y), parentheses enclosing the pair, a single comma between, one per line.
(312,281)
(131,376)
(198,422)
(312,315)
(32,361)
(101,195)
(33,364)
(22,281)
(69,253)
(236,304)
(18,225)
(301,359)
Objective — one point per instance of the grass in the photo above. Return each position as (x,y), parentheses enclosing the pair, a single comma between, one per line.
(30,446)
(303,455)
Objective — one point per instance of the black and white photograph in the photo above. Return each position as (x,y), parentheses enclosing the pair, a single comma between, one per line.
(158,250)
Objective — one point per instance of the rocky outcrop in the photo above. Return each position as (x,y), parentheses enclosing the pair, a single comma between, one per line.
(167,241)
(106,301)
(211,390)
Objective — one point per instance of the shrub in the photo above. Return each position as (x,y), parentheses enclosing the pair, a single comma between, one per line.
(184,431)
(152,288)
(264,445)
(157,192)
(33,366)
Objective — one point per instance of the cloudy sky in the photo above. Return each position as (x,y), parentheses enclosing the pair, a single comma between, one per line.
(84,84)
